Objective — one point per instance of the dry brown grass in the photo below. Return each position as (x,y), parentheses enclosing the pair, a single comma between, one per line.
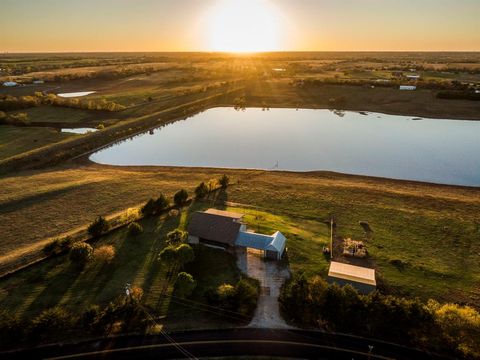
(420,103)
(432,230)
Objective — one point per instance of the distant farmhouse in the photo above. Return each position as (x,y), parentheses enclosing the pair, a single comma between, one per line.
(225,230)
(408,87)
(361,278)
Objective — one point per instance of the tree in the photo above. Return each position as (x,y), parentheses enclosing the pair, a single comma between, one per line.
(185,284)
(58,246)
(135,228)
(168,255)
(185,254)
(224,181)
(201,191)
(149,207)
(99,227)
(161,203)
(180,197)
(176,237)
(81,253)
(104,253)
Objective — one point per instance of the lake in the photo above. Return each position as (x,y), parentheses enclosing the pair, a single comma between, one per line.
(400,147)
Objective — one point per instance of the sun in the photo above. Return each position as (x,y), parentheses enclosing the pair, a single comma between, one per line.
(243,26)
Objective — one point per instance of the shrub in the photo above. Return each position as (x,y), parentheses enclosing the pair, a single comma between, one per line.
(135,228)
(149,207)
(185,284)
(161,203)
(58,246)
(99,227)
(241,297)
(81,253)
(168,255)
(185,254)
(201,191)
(176,237)
(180,198)
(104,253)
(224,181)
(153,206)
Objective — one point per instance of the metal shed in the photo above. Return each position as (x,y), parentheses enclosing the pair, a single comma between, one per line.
(361,278)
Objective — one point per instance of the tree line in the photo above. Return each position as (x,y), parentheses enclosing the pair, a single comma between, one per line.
(440,327)
(12,103)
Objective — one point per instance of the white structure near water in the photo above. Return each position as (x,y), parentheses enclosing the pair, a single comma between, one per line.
(408,87)
(10,83)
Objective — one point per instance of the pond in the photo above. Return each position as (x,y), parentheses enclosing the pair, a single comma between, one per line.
(433,150)
(76,94)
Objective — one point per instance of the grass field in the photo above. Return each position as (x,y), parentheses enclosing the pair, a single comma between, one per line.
(16,140)
(426,238)
(58,282)
(51,114)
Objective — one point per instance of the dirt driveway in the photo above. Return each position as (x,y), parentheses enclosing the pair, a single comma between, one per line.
(271,276)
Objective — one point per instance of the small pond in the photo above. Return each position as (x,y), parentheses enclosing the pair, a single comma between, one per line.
(433,150)
(76,94)
(79,130)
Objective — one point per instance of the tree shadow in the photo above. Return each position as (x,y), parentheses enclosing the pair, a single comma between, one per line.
(56,288)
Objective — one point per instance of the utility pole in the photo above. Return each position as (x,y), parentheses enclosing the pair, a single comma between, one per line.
(331,238)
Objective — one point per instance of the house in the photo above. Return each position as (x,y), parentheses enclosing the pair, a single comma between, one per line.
(361,278)
(408,87)
(225,230)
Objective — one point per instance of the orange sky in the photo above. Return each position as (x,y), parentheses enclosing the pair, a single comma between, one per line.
(205,25)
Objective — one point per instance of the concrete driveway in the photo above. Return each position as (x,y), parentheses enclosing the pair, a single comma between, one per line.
(271,276)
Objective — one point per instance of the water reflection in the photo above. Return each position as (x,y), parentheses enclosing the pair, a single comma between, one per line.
(441,151)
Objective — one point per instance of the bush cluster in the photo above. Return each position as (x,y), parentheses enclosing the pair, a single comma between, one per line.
(98,227)
(11,103)
(155,206)
(54,323)
(240,298)
(58,246)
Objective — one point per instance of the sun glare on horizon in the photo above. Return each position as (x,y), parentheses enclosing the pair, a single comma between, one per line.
(243,26)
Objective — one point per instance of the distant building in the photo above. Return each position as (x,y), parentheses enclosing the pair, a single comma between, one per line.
(225,230)
(10,83)
(413,77)
(361,278)
(38,81)
(408,87)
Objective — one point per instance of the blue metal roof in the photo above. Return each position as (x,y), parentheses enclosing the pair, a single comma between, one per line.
(275,242)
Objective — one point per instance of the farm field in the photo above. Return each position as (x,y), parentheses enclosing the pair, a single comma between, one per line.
(425,237)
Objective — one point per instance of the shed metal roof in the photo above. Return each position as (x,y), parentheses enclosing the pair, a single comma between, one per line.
(349,272)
